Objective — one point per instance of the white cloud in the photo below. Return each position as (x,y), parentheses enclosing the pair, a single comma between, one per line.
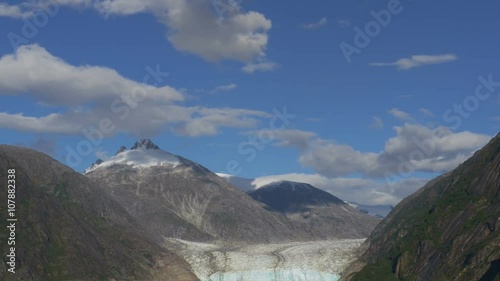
(52,123)
(259,66)
(295,138)
(418,60)
(401,115)
(212,119)
(315,25)
(195,29)
(193,26)
(426,112)
(12,11)
(96,93)
(223,88)
(32,69)
(422,149)
(377,123)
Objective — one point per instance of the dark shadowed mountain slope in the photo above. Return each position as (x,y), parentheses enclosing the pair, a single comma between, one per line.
(319,212)
(248,185)
(448,230)
(291,197)
(69,229)
(175,197)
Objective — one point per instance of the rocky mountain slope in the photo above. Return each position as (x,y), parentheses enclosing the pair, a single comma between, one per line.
(448,230)
(319,212)
(68,228)
(175,197)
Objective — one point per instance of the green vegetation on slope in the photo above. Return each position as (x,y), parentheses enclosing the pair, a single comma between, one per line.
(445,231)
(380,271)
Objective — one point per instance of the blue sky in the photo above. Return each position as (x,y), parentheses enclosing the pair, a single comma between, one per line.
(230,72)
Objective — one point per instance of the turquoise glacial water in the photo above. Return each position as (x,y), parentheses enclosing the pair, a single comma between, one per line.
(271,275)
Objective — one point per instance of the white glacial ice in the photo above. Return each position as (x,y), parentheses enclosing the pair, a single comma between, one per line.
(296,261)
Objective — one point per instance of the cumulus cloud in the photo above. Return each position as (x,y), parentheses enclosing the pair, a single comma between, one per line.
(415,148)
(418,60)
(32,69)
(12,11)
(315,25)
(193,26)
(98,93)
(380,178)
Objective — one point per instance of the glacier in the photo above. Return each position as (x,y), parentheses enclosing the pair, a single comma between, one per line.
(273,275)
(288,261)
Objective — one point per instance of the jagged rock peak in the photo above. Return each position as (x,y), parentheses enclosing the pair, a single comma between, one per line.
(145,144)
(122,149)
(95,164)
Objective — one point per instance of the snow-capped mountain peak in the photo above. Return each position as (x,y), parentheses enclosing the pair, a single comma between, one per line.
(122,149)
(93,166)
(143,154)
(145,144)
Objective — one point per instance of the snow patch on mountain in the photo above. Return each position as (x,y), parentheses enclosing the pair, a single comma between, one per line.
(143,154)
(141,158)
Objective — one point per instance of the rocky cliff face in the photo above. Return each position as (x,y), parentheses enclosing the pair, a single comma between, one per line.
(175,197)
(68,228)
(448,230)
(319,212)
